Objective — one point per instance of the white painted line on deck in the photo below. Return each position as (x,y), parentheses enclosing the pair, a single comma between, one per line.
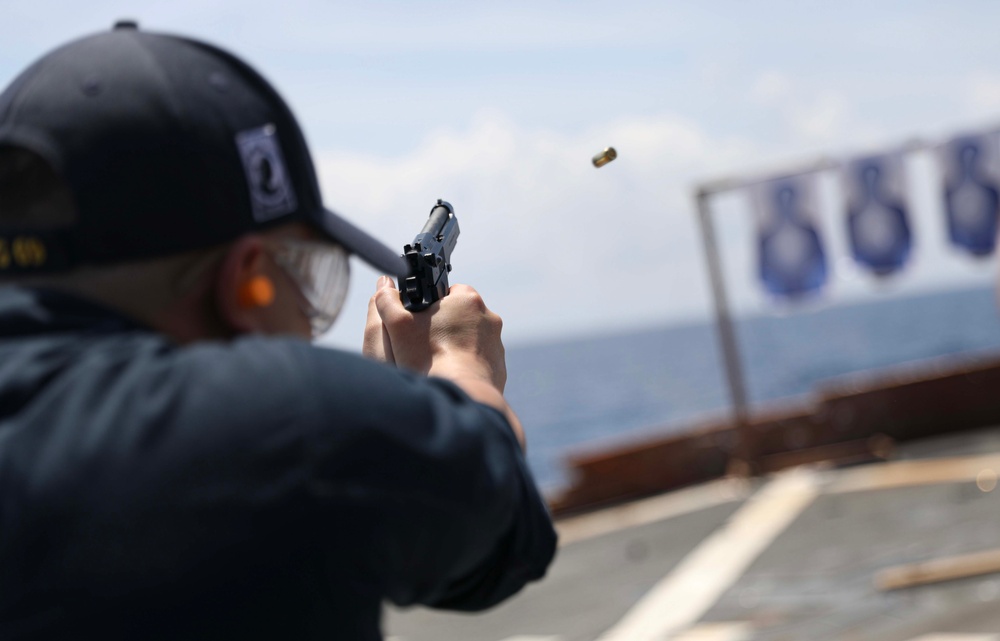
(907,473)
(957,637)
(651,510)
(681,598)
(736,631)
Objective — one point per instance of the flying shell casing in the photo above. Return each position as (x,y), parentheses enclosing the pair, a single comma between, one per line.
(605,157)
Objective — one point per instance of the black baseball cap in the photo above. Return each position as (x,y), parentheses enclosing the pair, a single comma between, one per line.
(167,145)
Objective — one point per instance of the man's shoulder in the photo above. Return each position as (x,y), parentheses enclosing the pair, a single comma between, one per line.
(255,378)
(275,365)
(135,383)
(277,362)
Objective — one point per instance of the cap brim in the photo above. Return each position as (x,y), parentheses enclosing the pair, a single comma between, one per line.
(362,245)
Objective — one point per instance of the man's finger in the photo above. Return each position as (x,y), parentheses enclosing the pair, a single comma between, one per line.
(387,300)
(387,347)
(371,346)
(376,343)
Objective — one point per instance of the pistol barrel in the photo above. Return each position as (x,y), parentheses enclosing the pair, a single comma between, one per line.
(438,218)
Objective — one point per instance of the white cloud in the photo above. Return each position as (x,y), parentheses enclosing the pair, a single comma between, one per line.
(810,115)
(823,118)
(555,245)
(983,95)
(558,247)
(770,88)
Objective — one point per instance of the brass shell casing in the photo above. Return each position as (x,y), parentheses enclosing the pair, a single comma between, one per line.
(605,157)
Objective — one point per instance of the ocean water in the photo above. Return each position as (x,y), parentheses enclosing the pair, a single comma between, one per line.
(587,393)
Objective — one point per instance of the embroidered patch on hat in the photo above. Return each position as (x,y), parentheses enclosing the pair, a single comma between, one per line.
(271,193)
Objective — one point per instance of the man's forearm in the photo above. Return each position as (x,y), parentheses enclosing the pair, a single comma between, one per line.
(479,386)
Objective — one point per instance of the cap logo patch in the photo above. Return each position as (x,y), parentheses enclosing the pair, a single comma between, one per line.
(271,193)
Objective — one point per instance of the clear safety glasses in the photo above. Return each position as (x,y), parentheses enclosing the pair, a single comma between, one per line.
(322,272)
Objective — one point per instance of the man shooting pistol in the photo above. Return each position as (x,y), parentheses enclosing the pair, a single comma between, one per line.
(429,259)
(178,459)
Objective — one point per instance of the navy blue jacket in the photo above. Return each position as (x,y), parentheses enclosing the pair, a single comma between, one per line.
(262,488)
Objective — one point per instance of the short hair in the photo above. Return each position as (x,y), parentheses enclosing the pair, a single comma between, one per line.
(32,194)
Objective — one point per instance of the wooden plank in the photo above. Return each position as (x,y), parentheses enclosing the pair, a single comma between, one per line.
(914,472)
(937,570)
(958,637)
(730,631)
(865,450)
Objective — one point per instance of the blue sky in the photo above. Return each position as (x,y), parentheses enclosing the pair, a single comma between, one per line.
(498,108)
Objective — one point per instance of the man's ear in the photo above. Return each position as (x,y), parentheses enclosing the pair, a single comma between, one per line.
(241,286)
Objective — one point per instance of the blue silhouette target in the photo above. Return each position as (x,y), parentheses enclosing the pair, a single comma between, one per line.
(970,195)
(877,226)
(792,261)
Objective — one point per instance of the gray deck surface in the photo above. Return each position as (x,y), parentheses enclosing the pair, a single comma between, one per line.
(813,581)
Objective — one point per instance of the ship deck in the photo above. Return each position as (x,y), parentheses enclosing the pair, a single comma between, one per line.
(877,551)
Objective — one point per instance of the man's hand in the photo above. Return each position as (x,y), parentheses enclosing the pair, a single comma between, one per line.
(376,344)
(457,338)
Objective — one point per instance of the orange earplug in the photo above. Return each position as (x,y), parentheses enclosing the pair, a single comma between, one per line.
(257,292)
